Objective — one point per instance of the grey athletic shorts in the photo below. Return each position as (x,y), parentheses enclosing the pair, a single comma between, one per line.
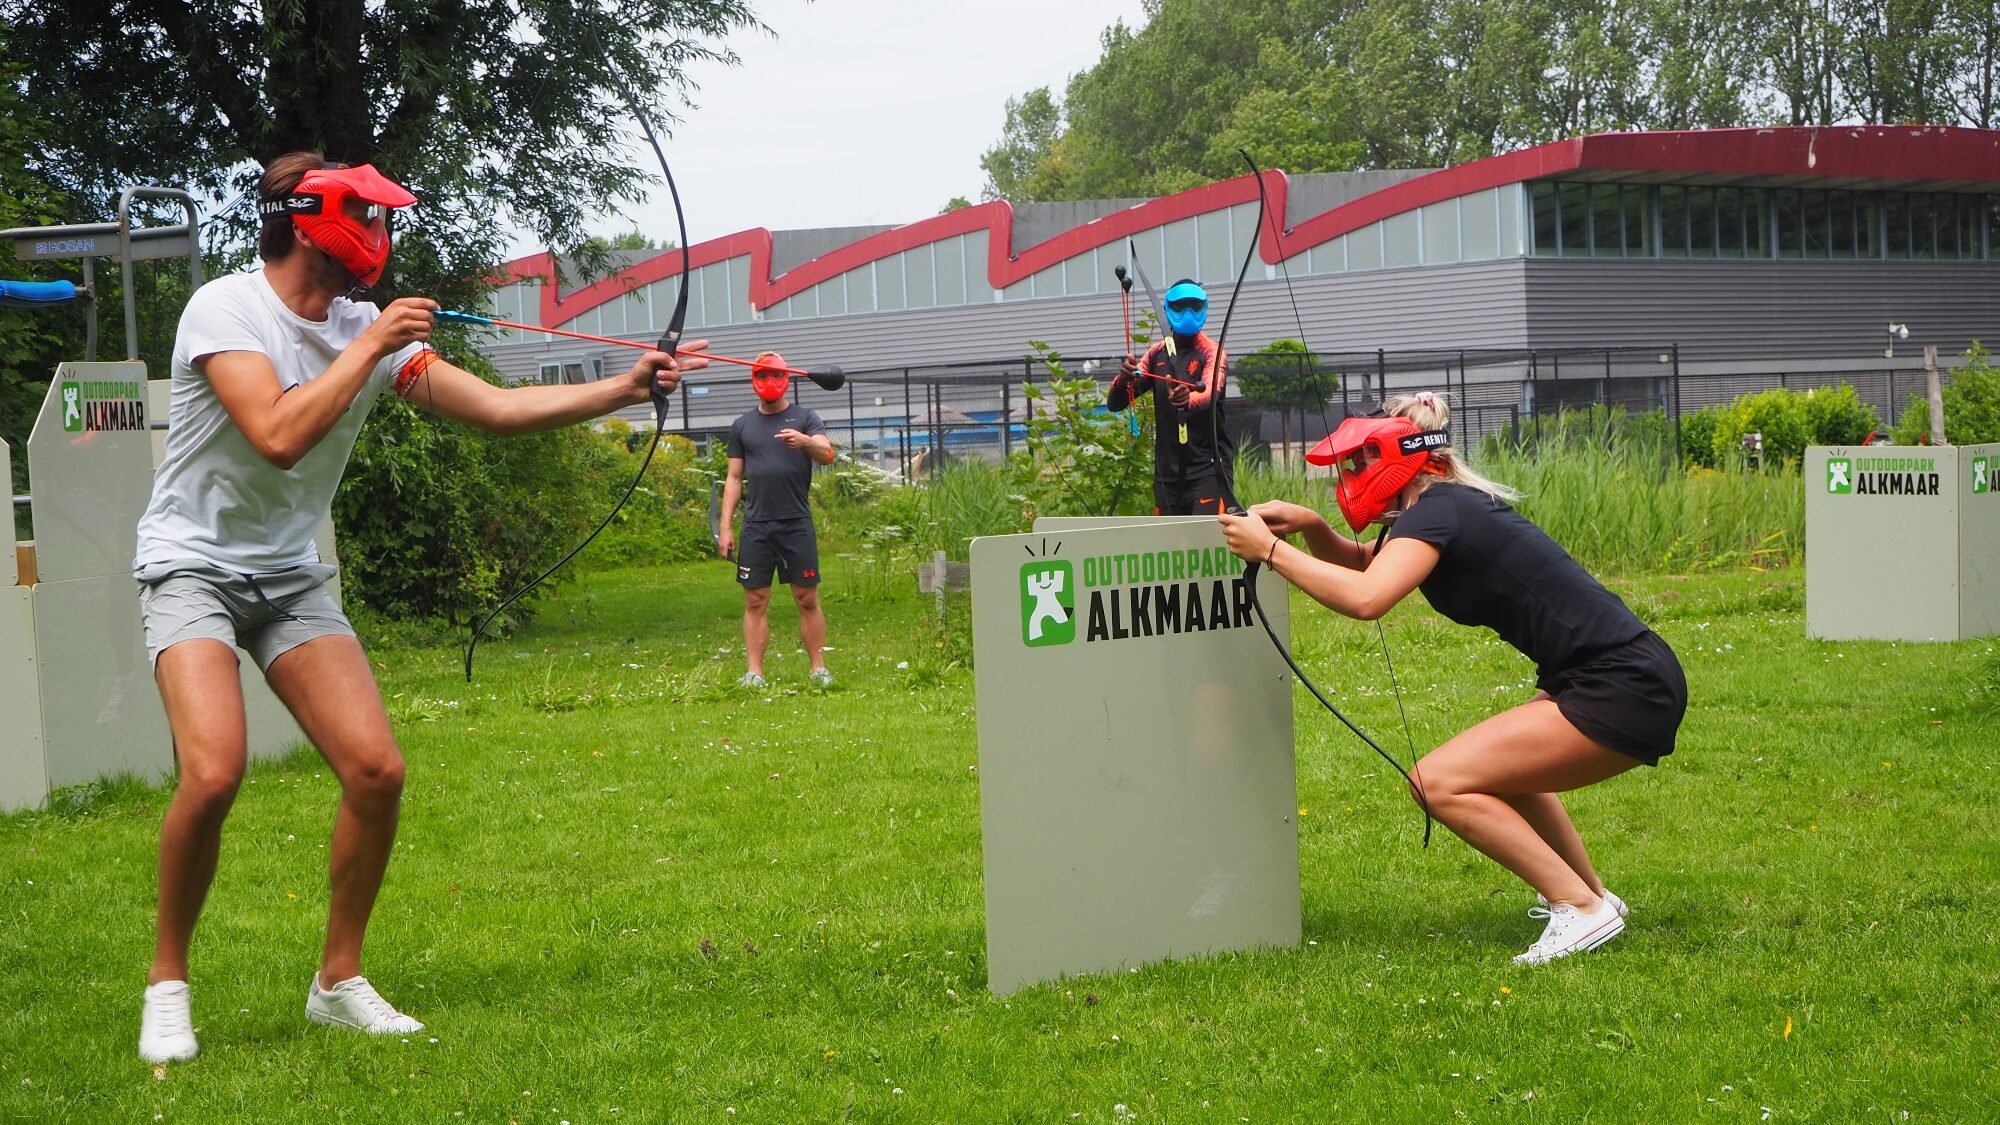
(266,615)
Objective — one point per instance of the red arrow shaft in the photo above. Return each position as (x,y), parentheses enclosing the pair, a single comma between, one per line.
(641,346)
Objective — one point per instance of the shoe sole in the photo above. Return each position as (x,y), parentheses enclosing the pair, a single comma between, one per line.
(1590,941)
(333,1021)
(162,1060)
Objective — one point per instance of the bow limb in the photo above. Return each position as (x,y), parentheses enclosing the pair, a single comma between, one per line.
(669,343)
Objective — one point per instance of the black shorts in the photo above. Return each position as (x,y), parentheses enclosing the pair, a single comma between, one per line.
(789,547)
(1631,698)
(1203,495)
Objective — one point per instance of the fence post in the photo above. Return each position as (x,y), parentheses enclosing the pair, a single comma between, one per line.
(1676,351)
(684,407)
(1006,418)
(1534,394)
(907,414)
(1381,375)
(853,423)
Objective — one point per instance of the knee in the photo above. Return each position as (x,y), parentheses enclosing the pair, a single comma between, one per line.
(376,776)
(757,601)
(1431,787)
(209,785)
(806,597)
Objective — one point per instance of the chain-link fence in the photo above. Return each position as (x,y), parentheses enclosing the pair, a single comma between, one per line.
(908,420)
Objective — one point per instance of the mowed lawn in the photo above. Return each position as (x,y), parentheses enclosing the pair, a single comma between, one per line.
(626,891)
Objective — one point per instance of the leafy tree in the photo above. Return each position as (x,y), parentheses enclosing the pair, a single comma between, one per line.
(1284,377)
(1082,460)
(486,109)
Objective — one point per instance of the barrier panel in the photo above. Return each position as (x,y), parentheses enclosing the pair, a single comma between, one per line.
(1902,542)
(1136,774)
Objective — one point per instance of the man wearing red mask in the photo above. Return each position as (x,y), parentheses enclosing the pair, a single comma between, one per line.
(775,447)
(273,373)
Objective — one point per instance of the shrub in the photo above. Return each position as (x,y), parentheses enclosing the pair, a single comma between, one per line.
(1779,415)
(1698,435)
(1971,405)
(1837,416)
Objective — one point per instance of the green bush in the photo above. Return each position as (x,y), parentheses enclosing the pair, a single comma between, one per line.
(1837,416)
(440,520)
(1698,435)
(1778,414)
(1081,459)
(1971,405)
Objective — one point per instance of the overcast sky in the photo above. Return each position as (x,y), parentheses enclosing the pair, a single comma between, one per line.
(860,111)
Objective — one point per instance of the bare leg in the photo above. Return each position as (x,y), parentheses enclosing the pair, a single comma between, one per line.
(1544,813)
(203,695)
(812,624)
(756,627)
(331,691)
(1530,750)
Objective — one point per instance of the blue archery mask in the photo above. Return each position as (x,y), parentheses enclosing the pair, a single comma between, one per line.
(1187,308)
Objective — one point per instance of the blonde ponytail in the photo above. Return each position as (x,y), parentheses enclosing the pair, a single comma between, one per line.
(1429,411)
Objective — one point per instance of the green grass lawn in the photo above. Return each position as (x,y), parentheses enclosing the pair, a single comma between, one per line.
(624,891)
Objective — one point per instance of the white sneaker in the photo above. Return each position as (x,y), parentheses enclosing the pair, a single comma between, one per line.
(166,1027)
(1617,904)
(821,676)
(355,1003)
(1571,931)
(750,680)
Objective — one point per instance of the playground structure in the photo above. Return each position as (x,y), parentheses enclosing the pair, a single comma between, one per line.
(76,688)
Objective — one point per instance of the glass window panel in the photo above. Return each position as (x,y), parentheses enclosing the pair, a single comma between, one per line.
(1867,225)
(832,297)
(1638,205)
(949,264)
(1992,225)
(1509,213)
(1841,238)
(1440,221)
(1149,250)
(889,283)
(1968,226)
(1543,198)
(919,278)
(1019,291)
(1080,274)
(1399,239)
(1756,223)
(1607,237)
(1216,260)
(1791,223)
(737,270)
(1818,224)
(1896,220)
(1478,230)
(637,314)
(1331,257)
(1701,222)
(1364,248)
(1574,200)
(1923,226)
(1046,283)
(711,296)
(1673,221)
(860,291)
(1178,240)
(1242,228)
(1729,222)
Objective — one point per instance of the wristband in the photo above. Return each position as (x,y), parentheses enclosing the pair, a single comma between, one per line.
(1271,554)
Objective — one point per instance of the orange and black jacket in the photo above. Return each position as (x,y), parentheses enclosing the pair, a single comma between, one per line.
(1208,450)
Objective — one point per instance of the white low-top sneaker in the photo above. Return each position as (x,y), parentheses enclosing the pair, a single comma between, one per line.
(1617,904)
(1571,931)
(355,1003)
(166,1026)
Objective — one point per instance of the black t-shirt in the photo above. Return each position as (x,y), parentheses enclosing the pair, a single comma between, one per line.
(1498,570)
(778,475)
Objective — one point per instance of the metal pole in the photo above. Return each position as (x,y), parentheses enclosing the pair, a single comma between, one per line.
(1535,392)
(1677,404)
(1381,374)
(906,425)
(1006,418)
(853,423)
(684,407)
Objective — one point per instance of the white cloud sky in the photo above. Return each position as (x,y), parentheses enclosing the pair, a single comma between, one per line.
(860,111)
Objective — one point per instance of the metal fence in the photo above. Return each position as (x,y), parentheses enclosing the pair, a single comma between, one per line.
(907,420)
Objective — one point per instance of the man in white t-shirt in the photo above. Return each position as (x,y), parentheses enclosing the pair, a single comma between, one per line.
(273,373)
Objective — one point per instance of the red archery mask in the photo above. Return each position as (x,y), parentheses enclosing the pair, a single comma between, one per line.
(1368,485)
(345,211)
(769,377)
